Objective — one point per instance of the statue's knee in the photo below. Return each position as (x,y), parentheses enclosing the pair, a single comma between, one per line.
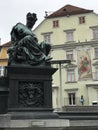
(28,37)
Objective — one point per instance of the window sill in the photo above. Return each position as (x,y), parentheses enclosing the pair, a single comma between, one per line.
(69,42)
(71,82)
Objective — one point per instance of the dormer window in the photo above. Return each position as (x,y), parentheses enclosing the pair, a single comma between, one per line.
(82,20)
(55,24)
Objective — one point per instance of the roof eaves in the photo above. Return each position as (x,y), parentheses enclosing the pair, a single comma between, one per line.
(68,14)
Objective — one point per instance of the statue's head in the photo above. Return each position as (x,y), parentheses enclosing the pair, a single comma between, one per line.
(31,19)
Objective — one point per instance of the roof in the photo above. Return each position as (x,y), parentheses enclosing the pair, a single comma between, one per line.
(6,44)
(68,10)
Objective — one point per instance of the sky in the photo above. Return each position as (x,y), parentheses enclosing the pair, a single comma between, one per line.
(14,11)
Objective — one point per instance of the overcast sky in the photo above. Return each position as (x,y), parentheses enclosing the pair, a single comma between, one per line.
(13,11)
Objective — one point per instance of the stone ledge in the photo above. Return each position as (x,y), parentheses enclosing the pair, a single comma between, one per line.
(80,109)
(46,123)
(84,123)
(5,120)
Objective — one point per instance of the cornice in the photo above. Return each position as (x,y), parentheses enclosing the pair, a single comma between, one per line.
(73,45)
(44,33)
(70,66)
(72,89)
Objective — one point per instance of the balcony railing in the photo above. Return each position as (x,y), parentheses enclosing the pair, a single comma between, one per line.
(72,102)
(80,108)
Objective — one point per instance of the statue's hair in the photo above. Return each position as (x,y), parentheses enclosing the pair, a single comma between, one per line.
(31,16)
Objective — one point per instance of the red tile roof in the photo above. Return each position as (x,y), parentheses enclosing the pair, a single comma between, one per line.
(69,10)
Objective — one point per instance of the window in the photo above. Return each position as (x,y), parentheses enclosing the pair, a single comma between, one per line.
(69,55)
(96,73)
(47,38)
(1,70)
(96,52)
(71,97)
(69,36)
(95,33)
(82,20)
(70,75)
(55,23)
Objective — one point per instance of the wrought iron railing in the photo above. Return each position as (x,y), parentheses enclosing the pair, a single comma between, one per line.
(73,102)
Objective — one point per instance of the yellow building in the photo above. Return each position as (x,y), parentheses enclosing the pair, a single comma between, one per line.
(3,57)
(73,33)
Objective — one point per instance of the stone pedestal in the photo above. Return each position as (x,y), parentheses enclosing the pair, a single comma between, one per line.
(3,95)
(30,100)
(30,95)
(5,121)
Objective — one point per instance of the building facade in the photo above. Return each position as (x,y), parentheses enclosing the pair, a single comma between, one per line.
(73,34)
(3,57)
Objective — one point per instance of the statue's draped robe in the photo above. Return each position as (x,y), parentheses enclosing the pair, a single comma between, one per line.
(25,47)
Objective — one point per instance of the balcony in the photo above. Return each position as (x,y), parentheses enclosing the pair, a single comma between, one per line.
(80,108)
(75,101)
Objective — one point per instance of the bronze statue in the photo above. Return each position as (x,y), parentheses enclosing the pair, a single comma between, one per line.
(25,48)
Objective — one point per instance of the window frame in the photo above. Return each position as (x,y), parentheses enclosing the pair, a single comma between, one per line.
(71,75)
(96,73)
(47,38)
(72,98)
(69,36)
(95,33)
(96,53)
(69,55)
(55,23)
(82,20)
